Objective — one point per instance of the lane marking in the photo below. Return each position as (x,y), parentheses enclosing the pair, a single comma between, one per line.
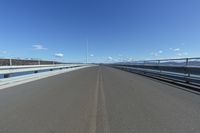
(105,117)
(93,122)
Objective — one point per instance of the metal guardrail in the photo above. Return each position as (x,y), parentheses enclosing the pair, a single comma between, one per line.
(168,62)
(7,71)
(184,70)
(10,62)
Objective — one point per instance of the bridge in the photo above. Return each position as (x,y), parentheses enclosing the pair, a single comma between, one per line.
(141,97)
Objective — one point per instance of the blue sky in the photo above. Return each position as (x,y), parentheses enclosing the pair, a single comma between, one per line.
(115,29)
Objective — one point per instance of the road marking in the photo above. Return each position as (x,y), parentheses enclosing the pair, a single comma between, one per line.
(105,117)
(93,122)
(99,89)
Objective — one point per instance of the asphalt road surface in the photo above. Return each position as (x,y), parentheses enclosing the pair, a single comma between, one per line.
(98,100)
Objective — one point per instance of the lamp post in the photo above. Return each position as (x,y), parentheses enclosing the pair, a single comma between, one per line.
(86,51)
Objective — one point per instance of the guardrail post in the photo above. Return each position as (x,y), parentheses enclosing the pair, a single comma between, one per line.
(144,63)
(186,62)
(158,62)
(10,60)
(6,75)
(187,72)
(35,71)
(38,62)
(159,66)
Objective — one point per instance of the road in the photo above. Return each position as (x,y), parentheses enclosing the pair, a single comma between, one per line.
(98,100)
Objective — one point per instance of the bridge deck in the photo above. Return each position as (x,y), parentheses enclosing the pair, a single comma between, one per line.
(98,100)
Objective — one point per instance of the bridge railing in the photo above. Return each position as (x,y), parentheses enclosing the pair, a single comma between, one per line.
(7,71)
(9,67)
(16,62)
(185,69)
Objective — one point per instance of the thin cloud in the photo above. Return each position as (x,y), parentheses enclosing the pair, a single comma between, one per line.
(179,54)
(91,55)
(182,54)
(175,49)
(154,54)
(110,58)
(129,59)
(158,53)
(39,47)
(59,55)
(3,52)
